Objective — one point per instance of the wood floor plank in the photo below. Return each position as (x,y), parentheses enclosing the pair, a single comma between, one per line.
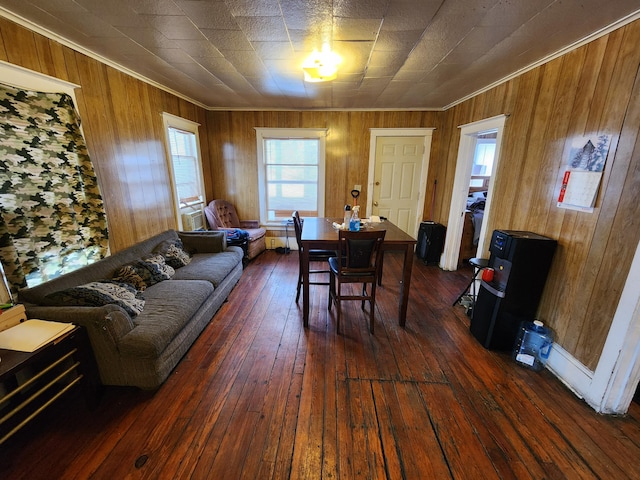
(258,396)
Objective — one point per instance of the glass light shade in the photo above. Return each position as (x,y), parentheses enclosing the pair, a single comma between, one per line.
(321,66)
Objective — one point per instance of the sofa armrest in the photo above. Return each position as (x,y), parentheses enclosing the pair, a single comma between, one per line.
(249,224)
(212,241)
(107,322)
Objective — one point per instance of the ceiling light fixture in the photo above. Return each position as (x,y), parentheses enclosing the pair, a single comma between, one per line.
(321,66)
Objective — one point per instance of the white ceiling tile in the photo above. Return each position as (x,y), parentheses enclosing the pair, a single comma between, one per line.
(263,29)
(395,53)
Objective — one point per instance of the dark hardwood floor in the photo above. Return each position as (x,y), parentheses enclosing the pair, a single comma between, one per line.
(258,397)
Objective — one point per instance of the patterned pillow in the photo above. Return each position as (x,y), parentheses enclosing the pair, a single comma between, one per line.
(174,253)
(97,294)
(129,274)
(144,273)
(176,257)
(158,268)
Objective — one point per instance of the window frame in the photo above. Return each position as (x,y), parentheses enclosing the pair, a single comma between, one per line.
(263,134)
(179,123)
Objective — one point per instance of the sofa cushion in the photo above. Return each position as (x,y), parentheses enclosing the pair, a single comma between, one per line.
(213,268)
(169,307)
(97,294)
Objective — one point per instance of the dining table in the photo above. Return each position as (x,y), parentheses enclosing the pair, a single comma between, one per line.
(322,233)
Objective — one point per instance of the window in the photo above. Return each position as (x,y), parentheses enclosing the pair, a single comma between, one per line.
(483,157)
(186,171)
(291,173)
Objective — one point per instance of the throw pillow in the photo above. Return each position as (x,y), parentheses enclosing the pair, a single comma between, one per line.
(97,294)
(176,257)
(174,253)
(128,274)
(158,268)
(146,272)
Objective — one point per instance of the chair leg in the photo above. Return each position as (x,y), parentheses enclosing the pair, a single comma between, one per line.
(338,310)
(372,307)
(364,294)
(332,290)
(298,288)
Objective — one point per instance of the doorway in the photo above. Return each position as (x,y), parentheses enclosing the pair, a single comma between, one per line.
(470,137)
(398,166)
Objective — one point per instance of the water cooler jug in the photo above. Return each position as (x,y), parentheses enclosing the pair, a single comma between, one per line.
(521,261)
(533,345)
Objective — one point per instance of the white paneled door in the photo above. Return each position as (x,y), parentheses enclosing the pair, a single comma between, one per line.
(397,175)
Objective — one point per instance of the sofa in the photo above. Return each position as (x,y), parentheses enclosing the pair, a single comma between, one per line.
(166,290)
(221,215)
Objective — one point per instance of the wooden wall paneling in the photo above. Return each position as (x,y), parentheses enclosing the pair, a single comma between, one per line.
(247,179)
(222,149)
(564,288)
(3,39)
(150,141)
(514,146)
(357,160)
(45,59)
(338,149)
(614,210)
(618,78)
(436,179)
(128,164)
(535,169)
(565,274)
(243,149)
(20,45)
(445,165)
(100,137)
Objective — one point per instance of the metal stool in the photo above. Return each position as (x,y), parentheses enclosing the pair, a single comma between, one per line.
(478,264)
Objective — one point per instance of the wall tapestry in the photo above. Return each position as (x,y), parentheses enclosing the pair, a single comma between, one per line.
(52,218)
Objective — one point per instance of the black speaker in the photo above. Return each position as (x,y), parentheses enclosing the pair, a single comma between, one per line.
(430,242)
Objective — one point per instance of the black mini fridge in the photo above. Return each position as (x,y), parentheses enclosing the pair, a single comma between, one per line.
(521,261)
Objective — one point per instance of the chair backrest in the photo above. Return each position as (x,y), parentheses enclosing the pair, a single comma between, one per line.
(221,214)
(360,252)
(297,226)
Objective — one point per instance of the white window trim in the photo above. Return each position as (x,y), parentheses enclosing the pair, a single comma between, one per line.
(263,133)
(173,121)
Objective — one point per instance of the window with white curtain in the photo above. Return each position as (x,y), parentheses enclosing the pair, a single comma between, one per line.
(291,171)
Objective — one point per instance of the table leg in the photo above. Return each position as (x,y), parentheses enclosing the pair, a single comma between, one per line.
(406,284)
(305,286)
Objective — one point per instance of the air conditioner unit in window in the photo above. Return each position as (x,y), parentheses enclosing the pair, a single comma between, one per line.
(193,221)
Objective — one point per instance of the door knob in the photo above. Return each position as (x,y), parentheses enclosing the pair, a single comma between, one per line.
(375,204)
(377,183)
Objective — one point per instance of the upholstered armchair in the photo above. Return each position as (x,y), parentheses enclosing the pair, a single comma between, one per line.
(222,215)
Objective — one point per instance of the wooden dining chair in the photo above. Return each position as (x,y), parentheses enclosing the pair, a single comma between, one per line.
(358,260)
(315,255)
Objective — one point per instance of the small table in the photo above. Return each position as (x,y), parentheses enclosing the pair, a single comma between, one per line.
(319,233)
(34,380)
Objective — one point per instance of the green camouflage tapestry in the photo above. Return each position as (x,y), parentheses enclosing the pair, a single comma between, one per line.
(52,218)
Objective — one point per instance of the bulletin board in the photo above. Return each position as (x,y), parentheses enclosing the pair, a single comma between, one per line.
(583,173)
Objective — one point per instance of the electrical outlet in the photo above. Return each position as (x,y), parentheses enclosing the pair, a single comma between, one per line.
(357,187)
(273,243)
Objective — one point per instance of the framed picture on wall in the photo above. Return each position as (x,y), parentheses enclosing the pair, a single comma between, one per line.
(583,173)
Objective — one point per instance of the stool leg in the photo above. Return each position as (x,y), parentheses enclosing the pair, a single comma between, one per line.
(472,284)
